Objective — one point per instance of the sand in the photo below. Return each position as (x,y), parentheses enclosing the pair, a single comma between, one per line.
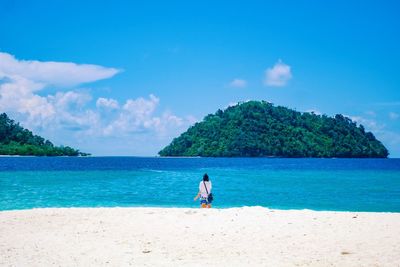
(249,236)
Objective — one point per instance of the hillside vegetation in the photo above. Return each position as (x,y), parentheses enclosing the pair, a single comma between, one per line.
(15,140)
(259,129)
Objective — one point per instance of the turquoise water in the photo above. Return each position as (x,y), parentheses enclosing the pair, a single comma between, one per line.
(318,184)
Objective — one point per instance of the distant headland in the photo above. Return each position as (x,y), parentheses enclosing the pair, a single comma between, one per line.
(260,129)
(15,140)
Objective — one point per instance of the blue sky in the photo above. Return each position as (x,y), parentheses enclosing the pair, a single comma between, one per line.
(157,67)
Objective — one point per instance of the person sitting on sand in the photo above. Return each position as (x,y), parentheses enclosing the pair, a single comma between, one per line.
(204,192)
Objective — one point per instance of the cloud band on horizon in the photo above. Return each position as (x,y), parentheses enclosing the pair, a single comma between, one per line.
(279,75)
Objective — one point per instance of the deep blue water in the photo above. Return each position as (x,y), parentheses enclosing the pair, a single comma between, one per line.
(318,184)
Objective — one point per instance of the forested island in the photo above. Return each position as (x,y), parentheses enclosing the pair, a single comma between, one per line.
(15,140)
(260,129)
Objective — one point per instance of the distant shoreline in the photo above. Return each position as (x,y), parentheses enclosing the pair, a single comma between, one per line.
(194,157)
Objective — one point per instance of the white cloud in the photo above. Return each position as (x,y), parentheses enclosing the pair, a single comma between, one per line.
(138,116)
(67,116)
(53,73)
(23,79)
(70,100)
(393,115)
(141,107)
(17,94)
(107,103)
(238,83)
(278,75)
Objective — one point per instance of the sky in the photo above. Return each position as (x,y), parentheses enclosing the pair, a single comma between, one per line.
(126,77)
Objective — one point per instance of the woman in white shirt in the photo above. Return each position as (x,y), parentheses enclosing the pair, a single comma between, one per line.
(205,187)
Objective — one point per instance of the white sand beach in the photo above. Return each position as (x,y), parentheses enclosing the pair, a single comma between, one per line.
(250,236)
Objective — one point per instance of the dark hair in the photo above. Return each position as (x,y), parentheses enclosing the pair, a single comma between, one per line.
(205,177)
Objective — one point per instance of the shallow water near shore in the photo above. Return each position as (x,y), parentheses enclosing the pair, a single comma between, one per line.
(318,184)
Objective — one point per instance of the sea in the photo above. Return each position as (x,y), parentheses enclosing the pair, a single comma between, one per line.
(276,183)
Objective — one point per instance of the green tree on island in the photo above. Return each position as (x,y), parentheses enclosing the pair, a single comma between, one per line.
(15,140)
(259,129)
